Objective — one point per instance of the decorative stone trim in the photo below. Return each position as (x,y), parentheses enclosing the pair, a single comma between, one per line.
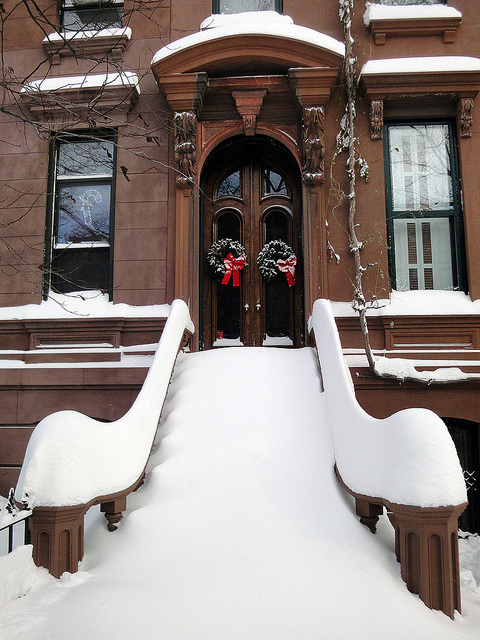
(185,123)
(402,21)
(87,44)
(313,146)
(249,104)
(466,117)
(376,119)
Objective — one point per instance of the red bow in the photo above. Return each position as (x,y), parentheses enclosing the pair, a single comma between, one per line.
(288,268)
(233,265)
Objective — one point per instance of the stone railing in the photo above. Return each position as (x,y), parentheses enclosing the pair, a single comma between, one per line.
(74,462)
(406,463)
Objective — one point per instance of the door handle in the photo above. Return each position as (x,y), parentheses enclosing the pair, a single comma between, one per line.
(246,307)
(258,306)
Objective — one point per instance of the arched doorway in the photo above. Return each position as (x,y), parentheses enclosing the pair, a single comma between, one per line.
(251,193)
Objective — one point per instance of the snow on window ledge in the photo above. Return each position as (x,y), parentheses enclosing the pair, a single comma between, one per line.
(112,41)
(410,20)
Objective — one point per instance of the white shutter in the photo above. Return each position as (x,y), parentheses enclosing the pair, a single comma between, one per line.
(423,254)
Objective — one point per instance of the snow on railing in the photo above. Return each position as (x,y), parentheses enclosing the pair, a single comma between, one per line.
(73,461)
(72,458)
(406,463)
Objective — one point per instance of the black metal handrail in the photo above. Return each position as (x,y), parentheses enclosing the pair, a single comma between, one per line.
(14,517)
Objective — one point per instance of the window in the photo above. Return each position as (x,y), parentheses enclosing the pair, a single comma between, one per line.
(239,6)
(80,223)
(85,15)
(423,207)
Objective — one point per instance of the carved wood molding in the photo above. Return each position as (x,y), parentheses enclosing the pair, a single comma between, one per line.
(313,146)
(185,123)
(249,104)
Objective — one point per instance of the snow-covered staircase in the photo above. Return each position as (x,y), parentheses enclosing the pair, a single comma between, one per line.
(241,530)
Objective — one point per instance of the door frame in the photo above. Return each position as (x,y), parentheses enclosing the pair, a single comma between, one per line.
(240,144)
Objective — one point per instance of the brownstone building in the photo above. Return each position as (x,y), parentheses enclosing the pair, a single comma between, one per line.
(135,135)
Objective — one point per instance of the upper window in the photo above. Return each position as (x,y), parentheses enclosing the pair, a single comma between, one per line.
(405,2)
(239,6)
(423,207)
(91,15)
(79,231)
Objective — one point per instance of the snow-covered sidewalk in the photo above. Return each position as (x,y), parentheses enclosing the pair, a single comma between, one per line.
(240,532)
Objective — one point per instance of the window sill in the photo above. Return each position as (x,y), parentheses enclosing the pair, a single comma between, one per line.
(86,44)
(415,20)
(65,99)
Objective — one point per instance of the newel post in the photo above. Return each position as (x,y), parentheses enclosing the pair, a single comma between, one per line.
(426,541)
(57,537)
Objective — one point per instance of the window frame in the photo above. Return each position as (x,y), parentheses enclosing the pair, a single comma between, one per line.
(216,6)
(454,215)
(54,250)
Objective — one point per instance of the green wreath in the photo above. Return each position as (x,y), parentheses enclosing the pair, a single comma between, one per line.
(219,251)
(268,257)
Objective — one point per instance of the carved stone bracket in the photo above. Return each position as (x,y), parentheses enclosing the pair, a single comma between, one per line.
(313,146)
(376,119)
(466,117)
(185,123)
(249,104)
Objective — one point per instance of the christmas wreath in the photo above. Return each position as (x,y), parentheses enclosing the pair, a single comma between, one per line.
(226,257)
(277,257)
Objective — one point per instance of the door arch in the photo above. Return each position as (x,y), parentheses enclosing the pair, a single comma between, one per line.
(251,193)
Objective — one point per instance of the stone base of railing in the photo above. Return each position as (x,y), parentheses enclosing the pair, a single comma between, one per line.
(56,533)
(426,546)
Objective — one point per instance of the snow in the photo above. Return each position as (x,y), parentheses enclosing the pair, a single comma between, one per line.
(389,12)
(71,458)
(433,64)
(241,531)
(88,304)
(250,23)
(18,574)
(403,368)
(415,303)
(407,458)
(95,80)
(67,36)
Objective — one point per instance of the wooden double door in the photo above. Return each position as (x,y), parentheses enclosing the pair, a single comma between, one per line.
(253,197)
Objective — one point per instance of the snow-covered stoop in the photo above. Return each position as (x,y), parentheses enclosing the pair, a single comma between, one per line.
(241,530)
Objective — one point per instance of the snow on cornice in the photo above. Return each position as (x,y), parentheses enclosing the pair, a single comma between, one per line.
(266,23)
(435,64)
(125,79)
(387,12)
(67,36)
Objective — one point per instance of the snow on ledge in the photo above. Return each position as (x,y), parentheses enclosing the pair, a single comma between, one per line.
(250,23)
(434,64)
(408,458)
(386,12)
(94,81)
(415,303)
(67,36)
(85,304)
